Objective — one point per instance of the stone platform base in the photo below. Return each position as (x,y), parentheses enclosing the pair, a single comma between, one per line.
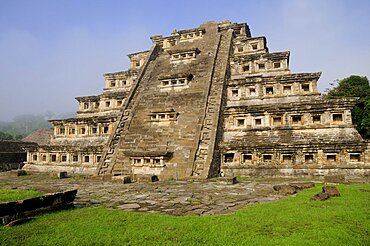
(363,173)
(84,170)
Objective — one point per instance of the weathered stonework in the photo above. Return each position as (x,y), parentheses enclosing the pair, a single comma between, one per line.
(16,210)
(13,154)
(205,102)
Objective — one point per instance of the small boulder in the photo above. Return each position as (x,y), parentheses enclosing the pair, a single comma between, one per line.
(327,192)
(331,190)
(129,206)
(62,175)
(155,178)
(285,189)
(320,197)
(126,180)
(145,178)
(20,172)
(227,180)
(302,185)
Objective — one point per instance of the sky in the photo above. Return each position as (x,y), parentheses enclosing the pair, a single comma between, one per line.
(53,51)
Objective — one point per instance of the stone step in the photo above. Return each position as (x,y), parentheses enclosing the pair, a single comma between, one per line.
(113,141)
(213,108)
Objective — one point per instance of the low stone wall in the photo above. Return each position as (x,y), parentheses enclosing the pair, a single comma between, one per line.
(11,211)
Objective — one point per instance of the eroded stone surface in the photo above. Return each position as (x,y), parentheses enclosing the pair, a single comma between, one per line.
(170,197)
(322,196)
(331,190)
(285,189)
(327,192)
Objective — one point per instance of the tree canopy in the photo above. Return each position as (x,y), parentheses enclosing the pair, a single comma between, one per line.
(356,86)
(353,86)
(21,126)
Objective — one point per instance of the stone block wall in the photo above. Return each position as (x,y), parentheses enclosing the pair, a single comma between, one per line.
(13,154)
(15,210)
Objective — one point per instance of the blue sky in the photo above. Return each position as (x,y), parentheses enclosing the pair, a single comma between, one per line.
(53,51)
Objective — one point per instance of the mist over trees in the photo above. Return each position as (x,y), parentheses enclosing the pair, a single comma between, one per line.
(356,86)
(23,125)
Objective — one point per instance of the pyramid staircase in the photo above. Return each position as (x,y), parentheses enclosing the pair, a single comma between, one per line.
(108,158)
(207,159)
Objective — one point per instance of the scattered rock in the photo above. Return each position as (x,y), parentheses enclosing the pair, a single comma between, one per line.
(129,206)
(126,179)
(320,197)
(302,185)
(226,204)
(262,199)
(146,178)
(285,189)
(198,211)
(227,180)
(93,201)
(62,175)
(327,192)
(122,179)
(331,190)
(181,199)
(211,212)
(19,172)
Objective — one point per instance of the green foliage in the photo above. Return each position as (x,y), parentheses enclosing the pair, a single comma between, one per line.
(6,136)
(19,137)
(356,86)
(22,126)
(353,86)
(13,195)
(296,220)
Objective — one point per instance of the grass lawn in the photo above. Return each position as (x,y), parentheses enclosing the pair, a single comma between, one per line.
(293,221)
(13,195)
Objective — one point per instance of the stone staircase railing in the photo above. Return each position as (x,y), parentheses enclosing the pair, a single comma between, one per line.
(207,156)
(108,157)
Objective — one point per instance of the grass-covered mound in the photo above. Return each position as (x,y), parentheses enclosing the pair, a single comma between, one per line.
(293,221)
(14,195)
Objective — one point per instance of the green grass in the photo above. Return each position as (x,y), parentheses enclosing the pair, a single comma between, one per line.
(13,195)
(293,221)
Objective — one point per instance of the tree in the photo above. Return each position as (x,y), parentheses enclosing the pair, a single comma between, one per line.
(356,86)
(353,86)
(5,136)
(23,125)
